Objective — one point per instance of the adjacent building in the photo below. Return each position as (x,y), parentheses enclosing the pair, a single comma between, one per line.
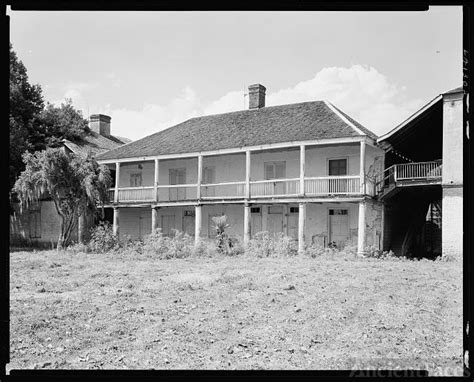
(40,223)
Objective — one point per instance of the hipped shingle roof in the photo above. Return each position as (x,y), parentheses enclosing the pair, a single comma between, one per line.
(276,124)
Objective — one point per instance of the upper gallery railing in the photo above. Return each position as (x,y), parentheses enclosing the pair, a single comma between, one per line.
(313,186)
(416,171)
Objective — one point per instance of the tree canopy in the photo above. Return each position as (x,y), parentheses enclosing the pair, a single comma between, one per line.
(34,126)
(74,183)
(26,102)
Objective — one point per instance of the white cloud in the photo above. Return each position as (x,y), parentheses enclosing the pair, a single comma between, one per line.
(360,91)
(75,91)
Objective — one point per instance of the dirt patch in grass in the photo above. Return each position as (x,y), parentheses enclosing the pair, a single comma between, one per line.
(74,311)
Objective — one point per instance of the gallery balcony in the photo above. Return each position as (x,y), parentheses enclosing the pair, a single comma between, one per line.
(326,186)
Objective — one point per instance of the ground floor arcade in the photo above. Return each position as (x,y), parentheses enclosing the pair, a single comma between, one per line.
(357,223)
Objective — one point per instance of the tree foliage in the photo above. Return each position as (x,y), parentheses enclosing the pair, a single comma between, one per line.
(63,122)
(26,102)
(34,127)
(74,183)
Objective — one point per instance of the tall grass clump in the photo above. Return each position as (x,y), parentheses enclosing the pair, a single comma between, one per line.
(266,244)
(103,239)
(177,246)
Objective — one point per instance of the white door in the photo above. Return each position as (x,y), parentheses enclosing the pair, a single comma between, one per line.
(339,226)
(276,170)
(256,220)
(293,222)
(167,224)
(188,222)
(208,177)
(144,226)
(275,219)
(177,176)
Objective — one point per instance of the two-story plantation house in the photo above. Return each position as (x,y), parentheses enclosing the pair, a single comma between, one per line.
(304,169)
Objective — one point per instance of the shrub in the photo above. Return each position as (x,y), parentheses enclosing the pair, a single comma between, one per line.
(103,239)
(265,244)
(157,245)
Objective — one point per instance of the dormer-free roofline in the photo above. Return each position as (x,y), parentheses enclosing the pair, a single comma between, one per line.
(270,146)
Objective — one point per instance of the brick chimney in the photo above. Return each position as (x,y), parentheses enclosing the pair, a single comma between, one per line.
(256,96)
(100,124)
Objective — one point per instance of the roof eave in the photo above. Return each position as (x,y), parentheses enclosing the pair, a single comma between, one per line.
(410,118)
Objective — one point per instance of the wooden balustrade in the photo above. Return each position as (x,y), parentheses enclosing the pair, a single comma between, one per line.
(328,185)
(274,187)
(223,190)
(420,170)
(313,186)
(136,194)
(177,192)
(407,172)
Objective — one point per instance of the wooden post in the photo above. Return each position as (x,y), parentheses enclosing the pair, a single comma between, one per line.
(302,169)
(116,224)
(247,174)
(117,181)
(154,219)
(362,167)
(157,174)
(198,224)
(361,230)
(246,224)
(199,178)
(301,227)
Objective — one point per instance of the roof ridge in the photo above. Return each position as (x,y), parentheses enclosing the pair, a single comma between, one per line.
(343,117)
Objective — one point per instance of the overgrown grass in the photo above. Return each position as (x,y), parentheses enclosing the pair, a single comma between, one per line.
(127,309)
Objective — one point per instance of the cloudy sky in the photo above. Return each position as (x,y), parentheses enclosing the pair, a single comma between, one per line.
(151,70)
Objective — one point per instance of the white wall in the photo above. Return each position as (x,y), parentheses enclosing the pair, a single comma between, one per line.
(136,222)
(230,168)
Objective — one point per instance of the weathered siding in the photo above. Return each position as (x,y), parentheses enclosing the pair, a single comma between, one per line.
(49,229)
(134,223)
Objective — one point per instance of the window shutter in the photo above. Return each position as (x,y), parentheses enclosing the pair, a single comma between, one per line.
(280,170)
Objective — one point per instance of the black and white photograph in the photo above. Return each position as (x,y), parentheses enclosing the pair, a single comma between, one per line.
(236,190)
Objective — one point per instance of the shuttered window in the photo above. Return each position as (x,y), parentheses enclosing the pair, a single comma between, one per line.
(136,180)
(177,176)
(209,175)
(275,170)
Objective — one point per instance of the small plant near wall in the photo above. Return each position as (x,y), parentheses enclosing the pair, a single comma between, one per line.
(223,242)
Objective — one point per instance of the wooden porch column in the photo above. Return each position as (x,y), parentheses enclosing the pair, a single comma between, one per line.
(361,229)
(117,180)
(246,224)
(154,219)
(198,224)
(157,174)
(199,177)
(116,224)
(247,174)
(302,169)
(362,167)
(301,226)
